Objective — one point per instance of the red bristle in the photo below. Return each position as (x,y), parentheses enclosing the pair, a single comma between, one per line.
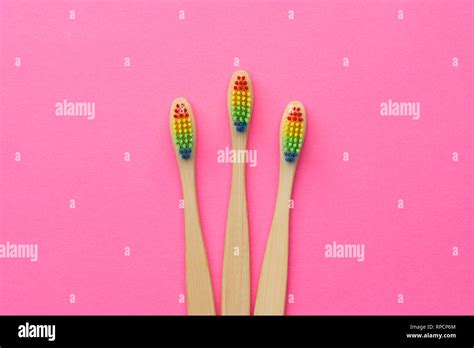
(300,119)
(238,77)
(243,77)
(298,109)
(289,118)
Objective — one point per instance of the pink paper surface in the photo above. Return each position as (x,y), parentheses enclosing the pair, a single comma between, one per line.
(135,203)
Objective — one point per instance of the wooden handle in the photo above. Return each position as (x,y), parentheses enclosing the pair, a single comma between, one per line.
(271,292)
(236,268)
(200,299)
(199,295)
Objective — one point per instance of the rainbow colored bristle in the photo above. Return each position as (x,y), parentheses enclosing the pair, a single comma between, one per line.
(183,131)
(293,133)
(241,103)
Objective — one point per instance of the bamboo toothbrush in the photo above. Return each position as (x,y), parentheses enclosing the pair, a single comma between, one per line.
(271,292)
(236,268)
(199,296)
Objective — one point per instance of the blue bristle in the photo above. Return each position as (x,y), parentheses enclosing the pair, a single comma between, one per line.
(240,126)
(290,156)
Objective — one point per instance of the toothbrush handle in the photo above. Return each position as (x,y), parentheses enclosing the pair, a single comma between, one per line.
(271,292)
(199,295)
(236,268)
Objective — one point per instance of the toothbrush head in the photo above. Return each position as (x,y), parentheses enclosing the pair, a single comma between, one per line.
(241,100)
(293,131)
(182,127)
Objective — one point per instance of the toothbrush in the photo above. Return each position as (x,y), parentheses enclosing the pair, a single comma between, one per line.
(271,292)
(199,296)
(236,268)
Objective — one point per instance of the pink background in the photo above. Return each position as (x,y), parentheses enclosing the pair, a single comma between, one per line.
(407,251)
